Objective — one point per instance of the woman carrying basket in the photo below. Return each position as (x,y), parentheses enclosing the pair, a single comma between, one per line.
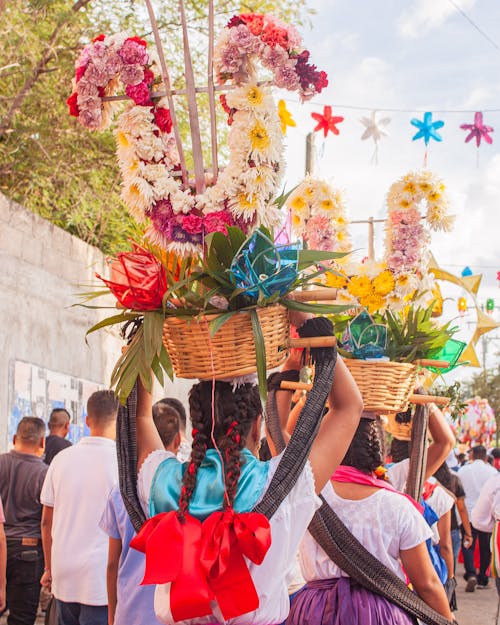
(213,558)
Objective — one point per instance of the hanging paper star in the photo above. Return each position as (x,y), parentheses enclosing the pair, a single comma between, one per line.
(478,130)
(374,128)
(427,129)
(285,116)
(326,122)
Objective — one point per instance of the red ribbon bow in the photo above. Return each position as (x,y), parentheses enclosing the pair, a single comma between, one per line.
(205,561)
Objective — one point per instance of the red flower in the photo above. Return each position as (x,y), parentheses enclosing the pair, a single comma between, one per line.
(139,94)
(275,36)
(192,224)
(254,21)
(148,76)
(163,119)
(73,106)
(79,72)
(99,38)
(218,221)
(309,74)
(137,279)
(137,40)
(236,20)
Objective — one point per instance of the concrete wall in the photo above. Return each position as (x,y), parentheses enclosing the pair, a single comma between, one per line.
(42,268)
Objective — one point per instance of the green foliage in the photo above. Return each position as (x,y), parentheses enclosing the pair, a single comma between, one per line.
(486,384)
(48,162)
(455,392)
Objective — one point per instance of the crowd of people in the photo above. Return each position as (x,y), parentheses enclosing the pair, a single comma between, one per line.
(64,525)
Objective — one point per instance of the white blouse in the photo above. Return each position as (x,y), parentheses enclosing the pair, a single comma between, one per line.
(271,578)
(384,523)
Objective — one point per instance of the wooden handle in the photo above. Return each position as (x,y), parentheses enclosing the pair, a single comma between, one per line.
(429,399)
(425,362)
(295,386)
(313,341)
(315,295)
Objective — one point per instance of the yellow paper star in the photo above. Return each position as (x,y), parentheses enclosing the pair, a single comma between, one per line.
(286,118)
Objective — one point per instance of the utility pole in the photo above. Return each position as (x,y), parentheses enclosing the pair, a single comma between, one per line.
(310,153)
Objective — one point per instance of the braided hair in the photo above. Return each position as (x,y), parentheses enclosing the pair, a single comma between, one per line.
(365,450)
(234,412)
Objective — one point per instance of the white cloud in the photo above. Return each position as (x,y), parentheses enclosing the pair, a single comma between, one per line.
(426,15)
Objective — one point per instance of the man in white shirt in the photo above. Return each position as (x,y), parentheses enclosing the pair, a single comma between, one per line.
(487,509)
(474,476)
(74,496)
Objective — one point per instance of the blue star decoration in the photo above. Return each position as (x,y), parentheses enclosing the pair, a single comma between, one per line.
(427,129)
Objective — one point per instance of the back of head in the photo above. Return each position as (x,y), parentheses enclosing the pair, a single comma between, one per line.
(233,413)
(102,409)
(177,405)
(167,422)
(365,450)
(400,450)
(30,433)
(59,419)
(479,452)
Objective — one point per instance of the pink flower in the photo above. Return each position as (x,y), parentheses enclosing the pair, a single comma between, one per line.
(192,224)
(231,60)
(132,74)
(84,87)
(218,221)
(412,216)
(97,74)
(240,37)
(90,118)
(294,39)
(163,119)
(97,50)
(139,94)
(286,76)
(275,36)
(149,77)
(133,52)
(396,261)
(161,215)
(89,102)
(274,57)
(319,233)
(114,63)
(396,217)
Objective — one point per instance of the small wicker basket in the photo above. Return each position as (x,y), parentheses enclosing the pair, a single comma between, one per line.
(401,431)
(385,386)
(231,351)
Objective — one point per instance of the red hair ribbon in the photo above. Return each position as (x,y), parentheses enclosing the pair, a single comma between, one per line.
(205,561)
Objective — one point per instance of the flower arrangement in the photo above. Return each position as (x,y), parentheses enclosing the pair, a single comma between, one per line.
(318,215)
(178,219)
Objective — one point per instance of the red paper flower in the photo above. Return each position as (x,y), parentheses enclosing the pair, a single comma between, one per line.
(137,280)
(99,38)
(327,122)
(192,224)
(163,119)
(73,105)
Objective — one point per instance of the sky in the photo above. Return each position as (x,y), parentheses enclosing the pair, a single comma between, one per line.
(415,55)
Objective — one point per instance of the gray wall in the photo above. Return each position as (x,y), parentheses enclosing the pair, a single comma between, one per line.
(42,268)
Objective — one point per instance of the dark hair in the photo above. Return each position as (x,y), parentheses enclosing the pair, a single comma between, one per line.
(167,422)
(365,450)
(479,452)
(264,451)
(102,407)
(56,420)
(495,452)
(444,477)
(400,450)
(234,411)
(178,406)
(30,430)
(461,457)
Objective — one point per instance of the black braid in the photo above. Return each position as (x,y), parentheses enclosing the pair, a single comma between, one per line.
(365,450)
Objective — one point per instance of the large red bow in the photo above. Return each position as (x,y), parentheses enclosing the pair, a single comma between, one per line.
(205,561)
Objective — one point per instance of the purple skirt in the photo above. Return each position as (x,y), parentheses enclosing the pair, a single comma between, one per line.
(341,601)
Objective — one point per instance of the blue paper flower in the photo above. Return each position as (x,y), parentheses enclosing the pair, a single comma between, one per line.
(365,339)
(427,129)
(261,267)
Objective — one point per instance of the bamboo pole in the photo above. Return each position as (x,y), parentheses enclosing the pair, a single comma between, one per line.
(315,295)
(426,362)
(211,97)
(166,81)
(313,341)
(194,125)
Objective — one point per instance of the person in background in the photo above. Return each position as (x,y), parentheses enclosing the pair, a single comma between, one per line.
(185,448)
(129,603)
(474,475)
(462,460)
(74,496)
(495,453)
(23,472)
(3,560)
(56,441)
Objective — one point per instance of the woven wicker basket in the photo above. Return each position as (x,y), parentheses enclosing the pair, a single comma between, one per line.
(231,351)
(401,431)
(385,386)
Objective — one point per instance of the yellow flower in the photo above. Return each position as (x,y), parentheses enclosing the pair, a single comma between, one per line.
(340,220)
(255,96)
(327,205)
(298,203)
(340,235)
(425,186)
(360,286)
(372,302)
(435,196)
(259,137)
(309,191)
(410,187)
(383,283)
(133,167)
(335,281)
(122,139)
(247,201)
(404,203)
(285,116)
(297,221)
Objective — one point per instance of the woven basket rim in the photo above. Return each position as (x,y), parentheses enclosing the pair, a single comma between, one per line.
(212,315)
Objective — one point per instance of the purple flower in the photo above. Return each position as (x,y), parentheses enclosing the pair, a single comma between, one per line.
(161,215)
(286,77)
(231,59)
(241,38)
(97,74)
(131,74)
(133,52)
(396,261)
(181,236)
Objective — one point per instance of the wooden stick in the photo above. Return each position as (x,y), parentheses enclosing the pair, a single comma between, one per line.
(315,295)
(194,123)
(313,341)
(295,386)
(426,362)
(161,94)
(430,399)
(166,81)
(211,96)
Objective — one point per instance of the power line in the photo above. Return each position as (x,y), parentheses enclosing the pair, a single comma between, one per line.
(474,25)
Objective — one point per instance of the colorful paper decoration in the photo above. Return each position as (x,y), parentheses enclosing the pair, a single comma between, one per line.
(327,122)
(374,128)
(462,306)
(285,116)
(427,129)
(466,271)
(490,305)
(498,277)
(365,339)
(478,130)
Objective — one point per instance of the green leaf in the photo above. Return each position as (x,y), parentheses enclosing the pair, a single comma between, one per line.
(260,354)
(319,309)
(312,257)
(153,330)
(216,324)
(165,362)
(110,321)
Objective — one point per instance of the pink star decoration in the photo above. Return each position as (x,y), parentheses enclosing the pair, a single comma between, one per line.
(478,130)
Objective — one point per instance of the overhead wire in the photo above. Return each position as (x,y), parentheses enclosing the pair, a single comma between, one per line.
(473,24)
